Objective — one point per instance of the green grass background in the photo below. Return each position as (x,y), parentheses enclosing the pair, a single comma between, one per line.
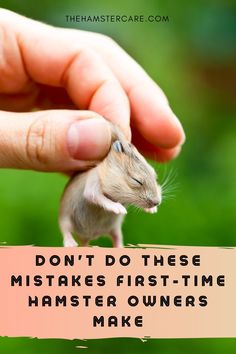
(192,58)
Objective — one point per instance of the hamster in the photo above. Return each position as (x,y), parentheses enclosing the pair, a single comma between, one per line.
(94,202)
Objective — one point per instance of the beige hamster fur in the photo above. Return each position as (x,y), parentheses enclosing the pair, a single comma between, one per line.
(94,201)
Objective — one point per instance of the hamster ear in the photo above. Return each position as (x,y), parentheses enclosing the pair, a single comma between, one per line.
(117,146)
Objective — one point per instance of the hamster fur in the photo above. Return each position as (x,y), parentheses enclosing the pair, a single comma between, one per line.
(94,201)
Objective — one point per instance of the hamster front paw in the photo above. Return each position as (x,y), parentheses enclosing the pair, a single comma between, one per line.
(70,242)
(117,208)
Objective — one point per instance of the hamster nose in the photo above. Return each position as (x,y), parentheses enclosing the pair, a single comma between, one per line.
(154,202)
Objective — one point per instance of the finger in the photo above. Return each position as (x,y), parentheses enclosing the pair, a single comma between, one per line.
(57,140)
(87,78)
(153,152)
(161,154)
(98,88)
(151,112)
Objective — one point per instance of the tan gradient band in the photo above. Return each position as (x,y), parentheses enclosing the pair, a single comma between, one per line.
(192,291)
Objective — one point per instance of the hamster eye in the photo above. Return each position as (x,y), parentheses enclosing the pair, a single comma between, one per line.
(117,146)
(137,180)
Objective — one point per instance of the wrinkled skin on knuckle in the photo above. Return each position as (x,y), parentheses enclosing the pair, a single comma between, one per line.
(39,142)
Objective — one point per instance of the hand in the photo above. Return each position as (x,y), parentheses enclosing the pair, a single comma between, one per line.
(58,71)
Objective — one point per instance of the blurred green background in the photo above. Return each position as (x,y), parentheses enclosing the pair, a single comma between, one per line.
(192,57)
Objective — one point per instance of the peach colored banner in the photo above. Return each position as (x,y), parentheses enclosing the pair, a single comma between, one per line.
(148,291)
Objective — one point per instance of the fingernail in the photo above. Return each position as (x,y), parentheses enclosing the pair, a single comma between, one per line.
(89,139)
(183,137)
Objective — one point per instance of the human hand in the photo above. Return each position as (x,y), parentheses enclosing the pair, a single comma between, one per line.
(59,71)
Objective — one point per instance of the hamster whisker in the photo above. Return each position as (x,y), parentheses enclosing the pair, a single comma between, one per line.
(136,209)
(169,187)
(169,178)
(171,197)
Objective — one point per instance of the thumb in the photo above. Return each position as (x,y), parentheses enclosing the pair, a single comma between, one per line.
(54,140)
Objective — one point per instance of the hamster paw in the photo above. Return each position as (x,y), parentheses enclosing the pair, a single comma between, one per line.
(118,208)
(151,210)
(70,242)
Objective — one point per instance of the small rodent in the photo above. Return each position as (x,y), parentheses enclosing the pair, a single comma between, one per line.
(94,201)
